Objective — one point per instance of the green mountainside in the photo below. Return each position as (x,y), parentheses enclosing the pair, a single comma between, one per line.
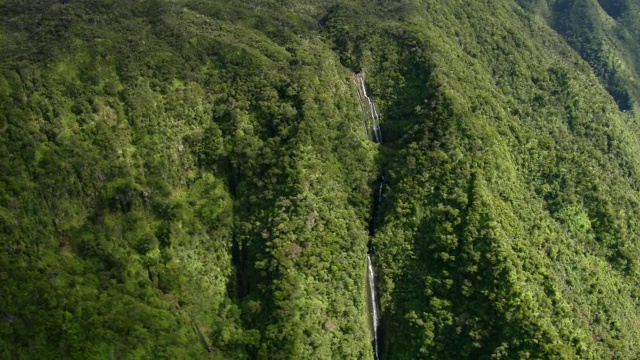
(605,33)
(193,179)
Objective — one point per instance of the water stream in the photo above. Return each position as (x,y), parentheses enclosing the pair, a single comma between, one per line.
(369,111)
(375,320)
(372,128)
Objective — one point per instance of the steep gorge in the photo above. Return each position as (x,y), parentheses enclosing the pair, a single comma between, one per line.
(372,128)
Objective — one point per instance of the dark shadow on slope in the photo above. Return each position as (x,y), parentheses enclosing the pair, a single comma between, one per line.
(614,8)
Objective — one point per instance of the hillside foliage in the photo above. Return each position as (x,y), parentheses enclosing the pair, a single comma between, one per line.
(193,179)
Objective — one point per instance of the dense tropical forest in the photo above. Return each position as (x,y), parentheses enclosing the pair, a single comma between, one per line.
(199,179)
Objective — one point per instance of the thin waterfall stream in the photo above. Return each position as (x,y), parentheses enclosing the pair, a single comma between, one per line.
(372,129)
(375,320)
(369,111)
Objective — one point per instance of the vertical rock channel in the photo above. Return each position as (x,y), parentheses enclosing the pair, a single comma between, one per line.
(372,128)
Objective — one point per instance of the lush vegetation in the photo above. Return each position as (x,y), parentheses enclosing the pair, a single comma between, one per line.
(605,33)
(192,179)
(174,185)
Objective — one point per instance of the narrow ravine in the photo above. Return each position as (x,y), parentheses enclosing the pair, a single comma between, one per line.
(372,128)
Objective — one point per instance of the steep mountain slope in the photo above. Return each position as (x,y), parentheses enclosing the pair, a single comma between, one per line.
(192,179)
(605,33)
(510,229)
(174,184)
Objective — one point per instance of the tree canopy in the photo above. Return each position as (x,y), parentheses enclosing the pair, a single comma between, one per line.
(194,179)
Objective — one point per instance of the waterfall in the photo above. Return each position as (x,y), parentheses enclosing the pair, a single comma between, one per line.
(371,121)
(369,111)
(375,320)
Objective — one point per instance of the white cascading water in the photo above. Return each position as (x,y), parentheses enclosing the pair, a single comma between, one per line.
(371,120)
(368,108)
(356,78)
(374,305)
